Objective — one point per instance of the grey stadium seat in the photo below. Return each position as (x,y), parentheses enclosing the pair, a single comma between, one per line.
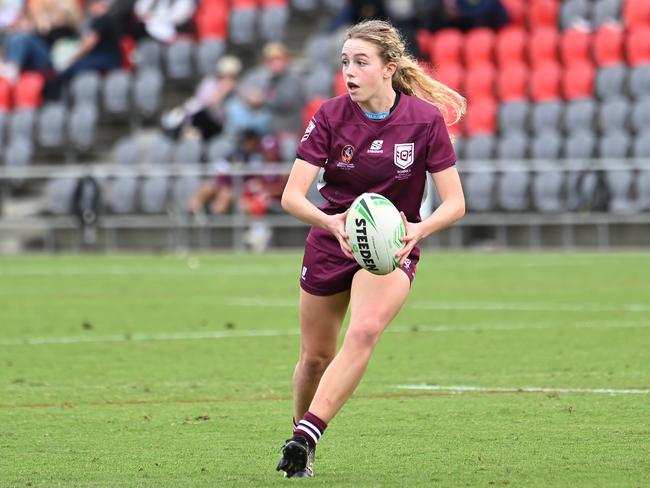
(147,90)
(320,50)
(126,152)
(50,131)
(220,148)
(479,187)
(320,82)
(459,147)
(514,145)
(160,151)
(179,58)
(18,153)
(574,11)
(579,115)
(641,115)
(580,145)
(153,194)
(615,144)
(59,193)
(208,53)
(642,144)
(273,22)
(148,54)
(188,152)
(4,121)
(546,115)
(640,82)
(513,116)
(643,190)
(81,126)
(614,114)
(116,92)
(547,189)
(182,189)
(21,124)
(610,82)
(479,147)
(619,184)
(304,5)
(512,189)
(242,25)
(84,87)
(546,145)
(123,194)
(605,11)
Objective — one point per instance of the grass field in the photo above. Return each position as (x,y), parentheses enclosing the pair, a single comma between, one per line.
(174,371)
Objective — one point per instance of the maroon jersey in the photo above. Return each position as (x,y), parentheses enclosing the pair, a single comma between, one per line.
(390,156)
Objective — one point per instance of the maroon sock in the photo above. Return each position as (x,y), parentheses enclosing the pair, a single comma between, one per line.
(311,428)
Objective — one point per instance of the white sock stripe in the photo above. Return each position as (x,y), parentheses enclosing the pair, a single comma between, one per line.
(312,427)
(307,431)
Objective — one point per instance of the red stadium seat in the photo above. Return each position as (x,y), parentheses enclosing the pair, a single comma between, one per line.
(511,45)
(5,95)
(479,82)
(637,46)
(543,46)
(455,129)
(479,47)
(339,84)
(575,46)
(512,82)
(274,3)
(311,108)
(516,11)
(636,13)
(481,117)
(237,4)
(608,45)
(578,80)
(423,39)
(450,75)
(446,46)
(127,44)
(543,13)
(27,93)
(211,19)
(545,82)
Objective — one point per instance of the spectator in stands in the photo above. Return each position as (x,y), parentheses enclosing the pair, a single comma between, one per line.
(99,49)
(205,110)
(164,20)
(468,14)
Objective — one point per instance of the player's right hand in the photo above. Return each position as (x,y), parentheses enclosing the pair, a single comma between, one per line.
(336,225)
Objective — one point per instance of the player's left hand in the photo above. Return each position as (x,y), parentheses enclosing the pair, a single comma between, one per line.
(414,234)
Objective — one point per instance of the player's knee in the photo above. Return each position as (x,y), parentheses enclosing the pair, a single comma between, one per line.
(364,335)
(314,364)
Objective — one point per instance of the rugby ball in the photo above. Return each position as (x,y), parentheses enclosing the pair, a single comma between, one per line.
(374,227)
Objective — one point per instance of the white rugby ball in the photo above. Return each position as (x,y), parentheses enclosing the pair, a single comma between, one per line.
(375,227)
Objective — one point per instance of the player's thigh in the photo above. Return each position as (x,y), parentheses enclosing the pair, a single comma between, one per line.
(375,300)
(321,318)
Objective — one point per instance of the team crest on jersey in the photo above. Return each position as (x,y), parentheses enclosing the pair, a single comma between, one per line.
(310,127)
(347,152)
(404,154)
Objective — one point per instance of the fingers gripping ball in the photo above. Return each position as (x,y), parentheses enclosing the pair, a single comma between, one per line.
(375,229)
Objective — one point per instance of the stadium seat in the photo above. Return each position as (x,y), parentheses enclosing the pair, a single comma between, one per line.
(50,128)
(446,47)
(4,121)
(641,115)
(148,54)
(610,82)
(478,187)
(543,46)
(640,82)
(319,50)
(513,145)
(546,116)
(27,91)
(614,144)
(126,152)
(619,183)
(546,145)
(636,13)
(319,82)
(160,151)
(211,20)
(273,19)
(479,82)
(481,117)
(220,148)
(479,147)
(513,188)
(574,12)
(84,88)
(512,82)
(208,53)
(5,95)
(179,57)
(182,189)
(542,13)
(478,48)
(59,192)
(21,124)
(641,147)
(637,46)
(339,84)
(510,46)
(147,90)
(18,153)
(575,46)
(311,108)
(614,114)
(513,116)
(242,25)
(643,189)
(547,186)
(580,144)
(606,11)
(81,126)
(127,45)
(304,5)
(579,115)
(608,45)
(578,81)
(188,151)
(516,11)
(451,75)
(153,194)
(116,92)
(122,194)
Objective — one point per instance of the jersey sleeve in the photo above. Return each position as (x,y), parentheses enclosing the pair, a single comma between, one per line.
(440,151)
(315,143)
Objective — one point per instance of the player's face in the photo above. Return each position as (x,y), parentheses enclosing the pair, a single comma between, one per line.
(363,70)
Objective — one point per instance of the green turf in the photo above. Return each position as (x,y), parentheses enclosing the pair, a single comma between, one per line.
(159,380)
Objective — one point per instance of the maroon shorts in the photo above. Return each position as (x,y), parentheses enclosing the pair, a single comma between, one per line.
(325,273)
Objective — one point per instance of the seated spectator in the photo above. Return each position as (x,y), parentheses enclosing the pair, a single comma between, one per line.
(163,20)
(205,110)
(99,49)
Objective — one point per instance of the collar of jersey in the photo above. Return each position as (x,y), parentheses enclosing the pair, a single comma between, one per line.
(359,111)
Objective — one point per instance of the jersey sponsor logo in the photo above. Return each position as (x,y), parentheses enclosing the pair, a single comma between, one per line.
(404,154)
(376,147)
(310,127)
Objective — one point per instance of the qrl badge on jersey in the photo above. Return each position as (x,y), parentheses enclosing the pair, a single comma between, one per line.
(404,155)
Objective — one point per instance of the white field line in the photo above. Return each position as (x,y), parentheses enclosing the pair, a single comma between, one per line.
(526,389)
(495,306)
(234,334)
(178,269)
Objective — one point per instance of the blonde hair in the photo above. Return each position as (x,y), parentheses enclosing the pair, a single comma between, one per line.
(409,77)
